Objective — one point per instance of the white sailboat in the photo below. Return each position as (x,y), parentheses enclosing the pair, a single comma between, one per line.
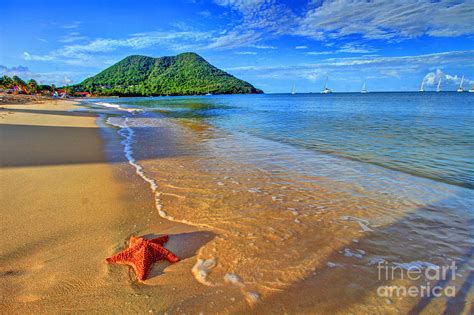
(438,88)
(422,88)
(326,90)
(293,90)
(364,90)
(461,89)
(471,90)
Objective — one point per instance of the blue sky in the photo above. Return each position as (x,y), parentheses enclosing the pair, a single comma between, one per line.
(391,45)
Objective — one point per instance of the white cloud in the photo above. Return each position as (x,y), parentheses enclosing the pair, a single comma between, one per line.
(301,47)
(355,48)
(324,20)
(387,19)
(72,37)
(205,13)
(427,59)
(348,48)
(390,73)
(432,78)
(28,56)
(378,19)
(317,53)
(71,25)
(259,19)
(263,47)
(245,53)
(311,75)
(241,5)
(235,39)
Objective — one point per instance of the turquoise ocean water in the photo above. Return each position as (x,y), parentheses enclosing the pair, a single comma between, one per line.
(429,135)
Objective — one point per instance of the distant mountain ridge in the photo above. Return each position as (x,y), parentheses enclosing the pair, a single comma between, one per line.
(184,74)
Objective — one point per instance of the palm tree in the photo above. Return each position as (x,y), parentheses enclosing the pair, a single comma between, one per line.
(18,81)
(32,86)
(6,82)
(69,90)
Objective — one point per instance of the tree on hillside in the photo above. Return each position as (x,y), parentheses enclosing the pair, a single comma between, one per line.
(69,90)
(6,82)
(44,87)
(32,86)
(184,74)
(18,81)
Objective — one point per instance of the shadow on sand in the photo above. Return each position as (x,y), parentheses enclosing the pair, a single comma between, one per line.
(28,145)
(74,113)
(184,245)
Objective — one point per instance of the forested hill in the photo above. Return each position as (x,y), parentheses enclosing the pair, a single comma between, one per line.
(184,74)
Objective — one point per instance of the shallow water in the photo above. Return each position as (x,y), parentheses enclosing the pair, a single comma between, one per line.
(425,134)
(299,186)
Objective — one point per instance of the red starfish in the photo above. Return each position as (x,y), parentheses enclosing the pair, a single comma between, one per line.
(142,253)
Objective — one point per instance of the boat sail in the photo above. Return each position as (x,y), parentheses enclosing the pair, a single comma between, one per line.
(326,90)
(364,90)
(461,89)
(422,88)
(438,88)
(293,90)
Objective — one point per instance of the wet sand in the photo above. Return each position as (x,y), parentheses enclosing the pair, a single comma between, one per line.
(64,209)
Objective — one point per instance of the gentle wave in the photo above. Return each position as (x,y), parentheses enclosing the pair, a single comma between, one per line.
(116,106)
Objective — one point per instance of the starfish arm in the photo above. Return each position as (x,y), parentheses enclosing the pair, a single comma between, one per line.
(163,253)
(141,273)
(121,257)
(160,240)
(134,241)
(142,264)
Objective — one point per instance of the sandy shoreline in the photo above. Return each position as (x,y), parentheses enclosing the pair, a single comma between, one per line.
(65,209)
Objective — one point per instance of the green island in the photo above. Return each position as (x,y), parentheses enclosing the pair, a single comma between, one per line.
(184,74)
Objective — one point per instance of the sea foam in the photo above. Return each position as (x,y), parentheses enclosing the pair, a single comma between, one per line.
(116,106)
(202,268)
